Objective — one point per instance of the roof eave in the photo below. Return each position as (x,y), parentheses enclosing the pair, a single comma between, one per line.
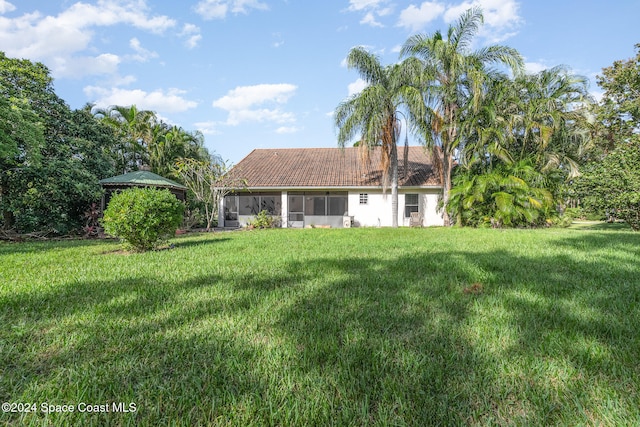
(338,188)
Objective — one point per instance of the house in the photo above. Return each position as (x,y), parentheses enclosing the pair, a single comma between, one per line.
(332,187)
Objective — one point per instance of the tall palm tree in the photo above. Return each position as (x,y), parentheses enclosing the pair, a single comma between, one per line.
(451,81)
(374,114)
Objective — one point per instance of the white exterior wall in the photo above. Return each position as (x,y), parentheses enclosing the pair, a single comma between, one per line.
(429,208)
(377,212)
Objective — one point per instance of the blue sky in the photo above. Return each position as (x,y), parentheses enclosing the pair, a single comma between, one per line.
(269,73)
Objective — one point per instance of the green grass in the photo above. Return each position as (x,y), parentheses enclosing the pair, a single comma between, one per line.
(599,225)
(328,327)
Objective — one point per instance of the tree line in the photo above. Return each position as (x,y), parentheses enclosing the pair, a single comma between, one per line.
(52,157)
(511,148)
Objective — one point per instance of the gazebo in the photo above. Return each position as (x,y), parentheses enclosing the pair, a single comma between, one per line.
(139,179)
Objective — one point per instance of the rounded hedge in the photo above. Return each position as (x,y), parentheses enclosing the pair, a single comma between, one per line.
(143,217)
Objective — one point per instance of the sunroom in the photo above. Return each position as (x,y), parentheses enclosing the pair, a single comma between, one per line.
(301,208)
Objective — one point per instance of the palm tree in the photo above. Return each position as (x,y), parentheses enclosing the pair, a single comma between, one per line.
(507,195)
(172,143)
(550,120)
(451,81)
(374,114)
(135,127)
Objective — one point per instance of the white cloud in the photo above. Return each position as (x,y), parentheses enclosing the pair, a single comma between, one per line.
(55,39)
(358,5)
(534,67)
(279,41)
(370,19)
(123,81)
(372,10)
(78,66)
(218,9)
(192,33)
(247,96)
(5,7)
(287,130)
(501,17)
(356,87)
(207,128)
(142,54)
(498,14)
(193,41)
(416,18)
(241,103)
(170,101)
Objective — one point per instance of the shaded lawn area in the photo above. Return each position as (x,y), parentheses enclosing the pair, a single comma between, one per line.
(328,327)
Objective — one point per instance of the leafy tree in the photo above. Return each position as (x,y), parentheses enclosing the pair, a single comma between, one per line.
(620,107)
(54,177)
(209,181)
(541,120)
(143,217)
(21,139)
(374,113)
(613,184)
(609,183)
(146,141)
(450,83)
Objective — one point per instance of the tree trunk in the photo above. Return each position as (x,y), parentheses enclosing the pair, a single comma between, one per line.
(394,185)
(7,215)
(447,163)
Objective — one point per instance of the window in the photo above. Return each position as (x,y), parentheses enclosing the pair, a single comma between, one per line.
(410,204)
(337,205)
(329,203)
(253,204)
(268,203)
(249,205)
(364,198)
(315,205)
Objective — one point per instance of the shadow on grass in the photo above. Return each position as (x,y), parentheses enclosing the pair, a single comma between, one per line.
(188,241)
(9,248)
(401,342)
(600,226)
(360,340)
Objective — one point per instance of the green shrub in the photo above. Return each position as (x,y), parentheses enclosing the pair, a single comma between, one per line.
(574,213)
(264,220)
(143,217)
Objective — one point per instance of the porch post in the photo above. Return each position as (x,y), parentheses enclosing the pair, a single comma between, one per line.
(285,210)
(221,213)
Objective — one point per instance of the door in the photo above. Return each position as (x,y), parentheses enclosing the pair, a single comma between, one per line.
(295,216)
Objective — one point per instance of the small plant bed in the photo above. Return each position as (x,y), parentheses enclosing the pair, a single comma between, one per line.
(326,327)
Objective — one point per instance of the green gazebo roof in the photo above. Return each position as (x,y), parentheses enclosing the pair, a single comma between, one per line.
(142,178)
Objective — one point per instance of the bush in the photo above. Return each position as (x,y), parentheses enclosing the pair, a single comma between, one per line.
(264,220)
(143,217)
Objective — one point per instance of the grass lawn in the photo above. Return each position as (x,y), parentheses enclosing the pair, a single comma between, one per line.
(327,327)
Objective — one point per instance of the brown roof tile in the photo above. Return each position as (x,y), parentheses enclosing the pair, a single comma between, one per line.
(330,167)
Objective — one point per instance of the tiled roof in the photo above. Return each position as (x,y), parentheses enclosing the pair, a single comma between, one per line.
(330,167)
